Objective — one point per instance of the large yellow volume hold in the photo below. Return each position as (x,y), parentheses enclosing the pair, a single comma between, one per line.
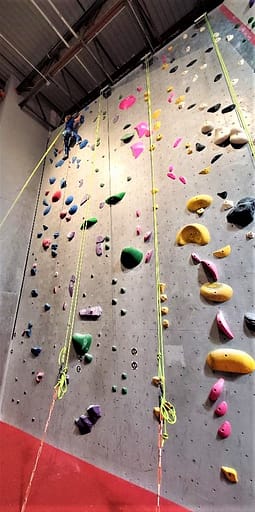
(193,233)
(197,202)
(230,474)
(216,292)
(222,252)
(230,360)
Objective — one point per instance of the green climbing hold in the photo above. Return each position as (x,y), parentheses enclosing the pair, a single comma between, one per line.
(114,389)
(115,199)
(88,358)
(124,391)
(131,257)
(88,223)
(114,348)
(127,138)
(81,343)
(250,20)
(124,376)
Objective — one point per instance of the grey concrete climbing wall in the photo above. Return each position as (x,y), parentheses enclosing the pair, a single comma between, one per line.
(22,142)
(124,346)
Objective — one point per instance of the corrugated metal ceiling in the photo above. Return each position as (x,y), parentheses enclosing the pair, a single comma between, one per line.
(112,35)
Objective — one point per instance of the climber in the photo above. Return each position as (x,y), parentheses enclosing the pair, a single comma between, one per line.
(70,133)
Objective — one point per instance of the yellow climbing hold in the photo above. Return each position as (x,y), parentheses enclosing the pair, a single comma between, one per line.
(165,323)
(170,88)
(187,145)
(230,474)
(152,147)
(206,170)
(159,137)
(163,297)
(197,202)
(189,151)
(146,96)
(222,252)
(230,360)
(156,381)
(216,292)
(156,113)
(179,100)
(162,287)
(193,233)
(154,190)
(157,126)
(165,65)
(164,310)
(156,412)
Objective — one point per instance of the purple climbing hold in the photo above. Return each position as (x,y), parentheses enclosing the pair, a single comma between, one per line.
(70,235)
(211,269)
(71,285)
(84,424)
(99,241)
(92,312)
(94,413)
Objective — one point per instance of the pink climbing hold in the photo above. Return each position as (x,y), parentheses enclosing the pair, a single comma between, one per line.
(138,230)
(170,97)
(56,196)
(171,168)
(46,243)
(39,376)
(138,213)
(148,256)
(216,390)
(223,326)
(137,149)
(139,88)
(127,102)
(177,142)
(147,236)
(225,429)
(171,175)
(221,409)
(183,180)
(70,235)
(211,268)
(142,129)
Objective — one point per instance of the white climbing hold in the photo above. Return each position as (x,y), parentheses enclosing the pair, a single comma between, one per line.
(185,72)
(188,49)
(202,29)
(237,136)
(202,106)
(235,81)
(204,66)
(185,36)
(229,37)
(216,34)
(217,39)
(227,204)
(195,77)
(250,235)
(221,135)
(241,62)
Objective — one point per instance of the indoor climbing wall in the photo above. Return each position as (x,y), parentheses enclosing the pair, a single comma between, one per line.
(141,197)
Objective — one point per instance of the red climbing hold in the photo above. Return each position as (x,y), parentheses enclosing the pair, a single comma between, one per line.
(46,243)
(56,196)
(62,214)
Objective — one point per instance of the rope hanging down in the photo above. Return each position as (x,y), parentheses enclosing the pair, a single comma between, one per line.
(231,88)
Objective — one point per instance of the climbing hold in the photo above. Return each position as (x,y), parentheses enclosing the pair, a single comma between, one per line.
(88,358)
(39,376)
(127,137)
(39,235)
(193,233)
(171,175)
(123,312)
(127,102)
(71,285)
(165,323)
(216,157)
(129,178)
(164,310)
(46,243)
(243,213)
(216,390)
(36,351)
(114,389)
(174,69)
(73,209)
(47,210)
(148,256)
(238,137)
(33,271)
(177,142)
(115,198)
(28,331)
(69,200)
(211,269)
(70,235)
(225,429)
(124,376)
(84,424)
(230,360)
(216,292)
(226,205)
(89,223)
(223,194)
(34,293)
(195,258)
(84,199)
(183,180)
(207,128)
(54,253)
(163,297)
(131,257)
(94,413)
(147,236)
(114,302)
(93,312)
(221,135)
(56,234)
(229,108)
(56,196)
(217,77)
(209,50)
(63,214)
(199,147)
(122,290)
(60,162)
(47,306)
(214,108)
(223,326)
(221,409)
(45,227)
(250,235)
(230,474)
(83,143)
(114,280)
(156,381)
(124,391)
(206,170)
(199,201)
(179,100)
(137,149)
(63,183)
(99,241)
(138,230)
(126,126)
(45,203)
(249,319)
(191,63)
(159,137)
(156,114)
(52,180)
(81,343)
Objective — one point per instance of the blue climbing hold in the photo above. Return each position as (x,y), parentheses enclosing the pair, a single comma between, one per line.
(52,180)
(73,209)
(45,203)
(60,163)
(56,234)
(69,200)
(36,351)
(63,183)
(39,235)
(82,119)
(73,159)
(83,143)
(54,246)
(51,161)
(47,210)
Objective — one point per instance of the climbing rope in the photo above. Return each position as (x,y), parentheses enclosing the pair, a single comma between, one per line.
(29,179)
(167,411)
(231,88)
(61,387)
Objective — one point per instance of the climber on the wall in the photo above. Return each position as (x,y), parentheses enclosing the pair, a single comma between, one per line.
(70,133)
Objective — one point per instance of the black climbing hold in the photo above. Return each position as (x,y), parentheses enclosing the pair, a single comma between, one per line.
(33,271)
(194,35)
(216,157)
(199,147)
(39,235)
(191,63)
(124,376)
(218,77)
(36,351)
(46,307)
(107,247)
(214,108)
(191,106)
(243,213)
(187,89)
(223,195)
(45,227)
(133,351)
(134,365)
(107,238)
(172,60)
(249,319)
(126,126)
(114,389)
(229,108)
(114,302)
(94,413)
(54,253)
(34,293)
(123,290)
(210,49)
(114,280)
(114,348)
(172,70)
(123,312)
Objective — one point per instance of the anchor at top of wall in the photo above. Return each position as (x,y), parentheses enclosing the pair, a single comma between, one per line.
(106,91)
(148,58)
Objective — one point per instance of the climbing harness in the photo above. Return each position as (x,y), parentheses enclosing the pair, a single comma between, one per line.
(231,88)
(167,411)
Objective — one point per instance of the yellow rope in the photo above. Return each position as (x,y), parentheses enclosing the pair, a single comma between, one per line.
(29,179)
(167,410)
(64,354)
(231,88)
